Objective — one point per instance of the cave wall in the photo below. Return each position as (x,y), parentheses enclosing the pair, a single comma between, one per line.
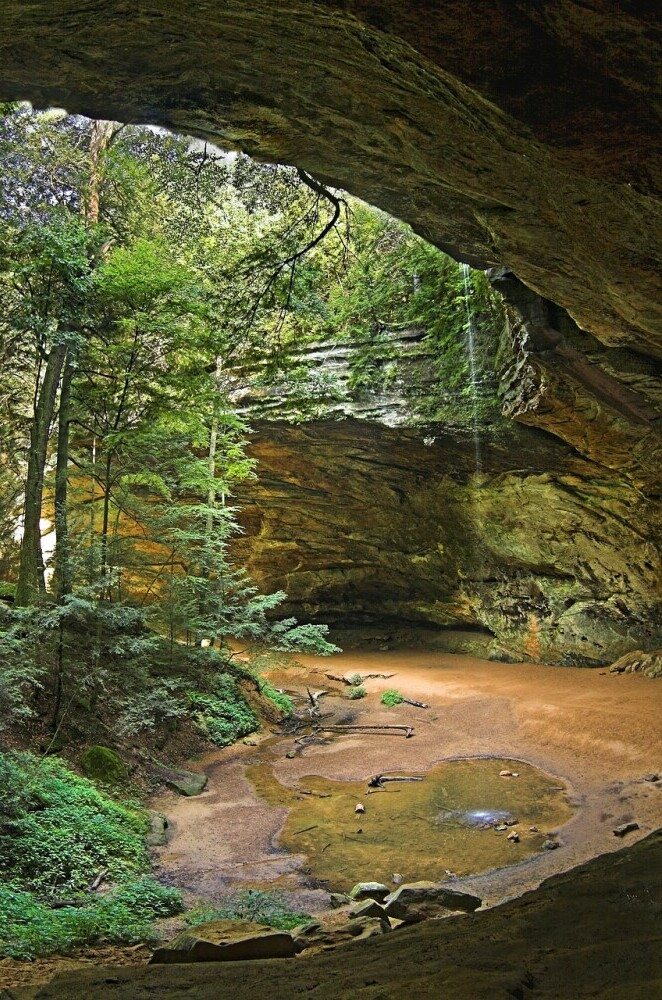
(509,134)
(363,524)
(522,136)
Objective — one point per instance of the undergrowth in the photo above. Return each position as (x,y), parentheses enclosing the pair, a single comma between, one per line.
(57,832)
(254,905)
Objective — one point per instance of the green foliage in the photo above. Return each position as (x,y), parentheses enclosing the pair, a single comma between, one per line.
(254,905)
(355,679)
(57,831)
(282,701)
(223,716)
(29,928)
(391,697)
(355,693)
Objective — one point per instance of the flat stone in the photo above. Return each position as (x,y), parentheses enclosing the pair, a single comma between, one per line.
(423,900)
(369,890)
(226,941)
(186,782)
(368,908)
(338,899)
(624,828)
(551,845)
(651,777)
(315,937)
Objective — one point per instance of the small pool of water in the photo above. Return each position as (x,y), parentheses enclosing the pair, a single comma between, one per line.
(457,820)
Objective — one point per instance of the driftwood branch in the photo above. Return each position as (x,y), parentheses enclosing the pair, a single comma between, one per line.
(369,730)
(416,704)
(362,678)
(380,780)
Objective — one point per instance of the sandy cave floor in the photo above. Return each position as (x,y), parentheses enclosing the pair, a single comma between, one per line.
(598,732)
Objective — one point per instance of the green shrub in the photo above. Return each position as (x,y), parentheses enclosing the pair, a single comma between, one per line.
(103,765)
(281,701)
(57,831)
(391,697)
(223,716)
(354,693)
(355,680)
(29,928)
(254,905)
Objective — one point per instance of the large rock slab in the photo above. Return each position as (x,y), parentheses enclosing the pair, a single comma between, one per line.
(419,901)
(225,941)
(318,937)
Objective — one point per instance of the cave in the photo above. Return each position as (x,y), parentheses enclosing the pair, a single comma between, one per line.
(519,140)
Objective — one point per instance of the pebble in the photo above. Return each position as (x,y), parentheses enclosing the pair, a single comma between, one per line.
(511,822)
(533,829)
(396,878)
(651,777)
(513,836)
(624,828)
(500,827)
(551,845)
(291,754)
(360,808)
(505,774)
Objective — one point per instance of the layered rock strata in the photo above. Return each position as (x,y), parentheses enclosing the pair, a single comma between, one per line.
(362,524)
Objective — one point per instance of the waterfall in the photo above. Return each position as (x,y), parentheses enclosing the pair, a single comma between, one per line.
(473,373)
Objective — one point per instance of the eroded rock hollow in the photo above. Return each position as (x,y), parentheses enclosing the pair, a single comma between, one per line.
(518,136)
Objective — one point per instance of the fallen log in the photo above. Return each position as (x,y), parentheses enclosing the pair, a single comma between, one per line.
(357,679)
(380,779)
(407,730)
(416,704)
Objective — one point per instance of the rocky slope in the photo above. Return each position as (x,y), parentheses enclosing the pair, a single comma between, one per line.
(582,934)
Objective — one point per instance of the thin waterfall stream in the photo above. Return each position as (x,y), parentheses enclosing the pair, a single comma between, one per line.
(473,371)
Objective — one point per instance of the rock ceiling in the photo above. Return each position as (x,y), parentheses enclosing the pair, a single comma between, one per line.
(515,134)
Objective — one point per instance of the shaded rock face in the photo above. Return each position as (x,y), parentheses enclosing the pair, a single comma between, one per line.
(520,135)
(367,525)
(605,402)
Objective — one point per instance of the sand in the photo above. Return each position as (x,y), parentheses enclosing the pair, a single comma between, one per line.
(599,733)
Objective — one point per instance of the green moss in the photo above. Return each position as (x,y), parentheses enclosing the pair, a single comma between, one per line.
(103,765)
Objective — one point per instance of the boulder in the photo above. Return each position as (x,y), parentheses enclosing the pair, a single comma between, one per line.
(186,782)
(338,899)
(369,890)
(425,900)
(157,830)
(315,937)
(368,908)
(103,765)
(226,941)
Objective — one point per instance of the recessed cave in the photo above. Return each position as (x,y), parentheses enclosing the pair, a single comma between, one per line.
(474,549)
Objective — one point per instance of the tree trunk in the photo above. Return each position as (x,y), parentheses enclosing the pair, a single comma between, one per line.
(31,568)
(62,575)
